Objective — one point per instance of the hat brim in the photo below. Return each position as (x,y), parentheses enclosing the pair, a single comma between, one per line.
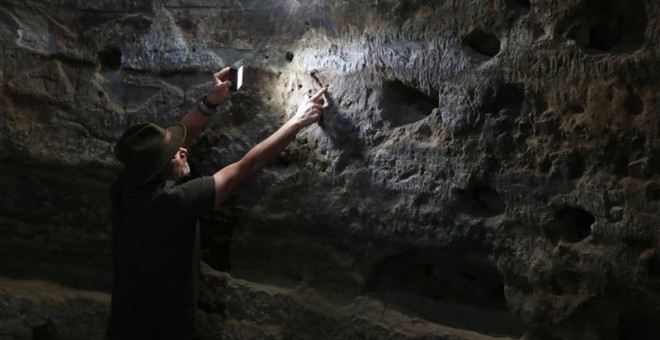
(134,176)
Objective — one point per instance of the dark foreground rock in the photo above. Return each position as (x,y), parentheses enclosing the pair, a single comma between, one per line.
(231,309)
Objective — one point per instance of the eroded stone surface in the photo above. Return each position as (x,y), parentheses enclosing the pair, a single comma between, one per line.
(484,165)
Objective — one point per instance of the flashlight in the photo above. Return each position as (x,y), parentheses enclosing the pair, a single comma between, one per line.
(236,76)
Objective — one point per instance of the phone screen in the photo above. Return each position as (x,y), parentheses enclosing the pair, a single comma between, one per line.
(239,78)
(236,77)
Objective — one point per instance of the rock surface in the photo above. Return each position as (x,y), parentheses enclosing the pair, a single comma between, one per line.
(484,169)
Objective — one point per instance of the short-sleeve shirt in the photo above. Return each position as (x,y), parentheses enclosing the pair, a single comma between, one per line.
(156,259)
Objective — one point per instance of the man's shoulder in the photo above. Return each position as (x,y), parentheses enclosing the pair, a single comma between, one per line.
(166,196)
(187,185)
(194,196)
(190,190)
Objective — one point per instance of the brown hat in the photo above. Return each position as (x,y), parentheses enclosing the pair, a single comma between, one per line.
(145,149)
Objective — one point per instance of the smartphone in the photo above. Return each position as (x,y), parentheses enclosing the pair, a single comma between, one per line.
(236,76)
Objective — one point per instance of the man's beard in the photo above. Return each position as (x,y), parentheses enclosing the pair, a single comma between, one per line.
(174,173)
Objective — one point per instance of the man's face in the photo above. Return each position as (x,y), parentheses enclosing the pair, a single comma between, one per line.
(178,166)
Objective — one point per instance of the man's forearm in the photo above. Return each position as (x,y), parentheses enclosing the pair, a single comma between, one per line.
(269,148)
(194,122)
(231,176)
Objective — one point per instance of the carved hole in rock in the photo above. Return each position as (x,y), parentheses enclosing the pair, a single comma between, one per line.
(510,97)
(545,164)
(569,224)
(110,59)
(520,282)
(652,191)
(653,265)
(479,199)
(610,26)
(283,161)
(486,45)
(464,291)
(520,5)
(633,104)
(654,160)
(575,108)
(289,56)
(421,200)
(637,143)
(404,105)
(573,165)
(564,282)
(621,164)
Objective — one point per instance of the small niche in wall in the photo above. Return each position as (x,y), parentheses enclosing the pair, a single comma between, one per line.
(569,224)
(481,45)
(609,26)
(110,59)
(403,105)
(522,6)
(464,291)
(480,199)
(505,96)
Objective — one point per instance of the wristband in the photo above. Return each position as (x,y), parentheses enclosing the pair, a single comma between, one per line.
(208,104)
(204,109)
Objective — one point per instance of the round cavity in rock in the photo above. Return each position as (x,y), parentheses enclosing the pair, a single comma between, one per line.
(633,104)
(110,59)
(402,104)
(480,199)
(609,26)
(485,45)
(523,6)
(289,56)
(428,284)
(569,224)
(510,97)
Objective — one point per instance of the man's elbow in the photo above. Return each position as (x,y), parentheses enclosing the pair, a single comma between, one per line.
(247,168)
(230,178)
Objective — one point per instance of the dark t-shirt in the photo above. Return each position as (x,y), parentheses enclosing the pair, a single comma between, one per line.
(156,258)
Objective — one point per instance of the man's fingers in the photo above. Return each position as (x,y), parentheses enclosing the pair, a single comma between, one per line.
(316,114)
(222,74)
(225,84)
(318,94)
(315,106)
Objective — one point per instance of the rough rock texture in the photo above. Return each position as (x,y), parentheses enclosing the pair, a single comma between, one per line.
(485,168)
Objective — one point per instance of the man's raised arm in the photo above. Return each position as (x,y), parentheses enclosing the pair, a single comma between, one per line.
(229,177)
(195,119)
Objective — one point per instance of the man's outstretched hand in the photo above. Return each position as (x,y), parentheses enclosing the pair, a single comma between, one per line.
(220,87)
(310,112)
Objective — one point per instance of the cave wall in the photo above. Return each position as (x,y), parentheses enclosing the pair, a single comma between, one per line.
(484,169)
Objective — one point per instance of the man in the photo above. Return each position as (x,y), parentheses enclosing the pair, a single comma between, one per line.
(154,217)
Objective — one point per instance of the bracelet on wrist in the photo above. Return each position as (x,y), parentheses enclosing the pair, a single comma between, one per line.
(206,102)
(204,109)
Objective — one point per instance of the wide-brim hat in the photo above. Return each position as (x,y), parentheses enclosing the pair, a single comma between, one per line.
(145,149)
